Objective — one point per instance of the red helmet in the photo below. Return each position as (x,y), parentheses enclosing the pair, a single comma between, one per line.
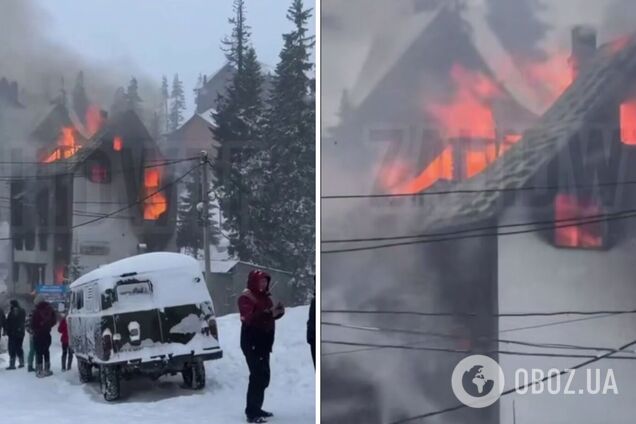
(255,276)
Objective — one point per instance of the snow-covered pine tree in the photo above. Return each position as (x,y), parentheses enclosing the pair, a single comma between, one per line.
(189,217)
(133,100)
(286,231)
(80,99)
(177,104)
(239,118)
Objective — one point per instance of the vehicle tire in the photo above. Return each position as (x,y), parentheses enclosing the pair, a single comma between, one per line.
(109,382)
(85,371)
(194,375)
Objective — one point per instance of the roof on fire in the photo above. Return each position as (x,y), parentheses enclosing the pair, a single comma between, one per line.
(607,76)
(126,125)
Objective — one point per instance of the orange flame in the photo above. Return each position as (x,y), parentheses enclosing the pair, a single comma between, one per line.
(628,122)
(118,144)
(468,114)
(440,168)
(157,204)
(94,119)
(66,146)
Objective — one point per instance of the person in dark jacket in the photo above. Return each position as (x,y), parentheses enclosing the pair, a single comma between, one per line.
(311,329)
(42,321)
(67,352)
(14,328)
(258,315)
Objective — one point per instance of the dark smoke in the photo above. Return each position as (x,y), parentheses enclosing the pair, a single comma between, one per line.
(40,65)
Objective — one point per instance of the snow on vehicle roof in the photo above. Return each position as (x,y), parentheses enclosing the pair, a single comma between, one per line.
(140,264)
(176,280)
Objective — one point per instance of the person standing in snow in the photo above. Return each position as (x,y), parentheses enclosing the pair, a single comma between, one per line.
(14,328)
(42,321)
(258,315)
(67,352)
(31,356)
(2,322)
(311,329)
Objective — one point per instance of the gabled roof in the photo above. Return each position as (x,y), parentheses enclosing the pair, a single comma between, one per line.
(126,125)
(607,76)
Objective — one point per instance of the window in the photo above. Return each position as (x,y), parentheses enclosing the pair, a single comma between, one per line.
(98,169)
(78,301)
(628,122)
(573,207)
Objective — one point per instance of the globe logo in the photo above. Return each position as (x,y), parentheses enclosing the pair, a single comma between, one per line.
(477,381)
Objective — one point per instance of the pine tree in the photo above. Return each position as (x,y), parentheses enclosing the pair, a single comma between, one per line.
(285,209)
(80,99)
(189,217)
(239,120)
(177,105)
(165,97)
(132,96)
(120,102)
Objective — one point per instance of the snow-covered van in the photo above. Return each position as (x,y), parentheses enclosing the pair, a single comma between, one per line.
(149,314)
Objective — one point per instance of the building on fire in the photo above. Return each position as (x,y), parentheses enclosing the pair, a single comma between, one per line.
(86,197)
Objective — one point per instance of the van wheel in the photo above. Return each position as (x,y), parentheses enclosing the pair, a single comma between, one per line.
(109,382)
(194,375)
(85,371)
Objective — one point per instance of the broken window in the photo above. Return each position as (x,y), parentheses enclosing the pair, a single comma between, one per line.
(573,227)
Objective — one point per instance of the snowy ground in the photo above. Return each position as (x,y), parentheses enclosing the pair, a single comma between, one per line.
(61,399)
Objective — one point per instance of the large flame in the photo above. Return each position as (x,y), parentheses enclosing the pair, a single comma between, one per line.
(94,119)
(440,168)
(550,77)
(67,146)
(157,204)
(468,113)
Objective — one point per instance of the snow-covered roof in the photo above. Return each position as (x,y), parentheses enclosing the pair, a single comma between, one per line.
(207,116)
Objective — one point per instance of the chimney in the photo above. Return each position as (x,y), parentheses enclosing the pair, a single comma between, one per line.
(583,48)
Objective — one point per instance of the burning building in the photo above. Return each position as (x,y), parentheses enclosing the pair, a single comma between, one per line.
(545,227)
(95,195)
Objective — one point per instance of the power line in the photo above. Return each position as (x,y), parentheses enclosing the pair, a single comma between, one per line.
(469,236)
(573,221)
(475,191)
(469,352)
(525,386)
(456,337)
(110,214)
(509,330)
(474,315)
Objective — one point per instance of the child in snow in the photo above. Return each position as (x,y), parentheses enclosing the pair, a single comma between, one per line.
(67,352)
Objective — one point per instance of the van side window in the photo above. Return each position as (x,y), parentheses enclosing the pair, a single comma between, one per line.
(91,301)
(79,300)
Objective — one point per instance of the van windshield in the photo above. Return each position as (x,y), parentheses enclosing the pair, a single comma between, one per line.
(130,288)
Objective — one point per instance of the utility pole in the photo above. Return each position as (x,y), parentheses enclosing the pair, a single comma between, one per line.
(205,188)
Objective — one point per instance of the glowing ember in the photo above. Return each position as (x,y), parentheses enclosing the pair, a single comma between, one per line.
(628,122)
(66,146)
(156,205)
(568,206)
(469,113)
(59,274)
(94,119)
(118,144)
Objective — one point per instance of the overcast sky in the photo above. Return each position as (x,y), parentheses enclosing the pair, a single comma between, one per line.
(164,36)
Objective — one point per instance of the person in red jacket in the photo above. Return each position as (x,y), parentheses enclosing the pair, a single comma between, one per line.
(42,321)
(67,352)
(258,315)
